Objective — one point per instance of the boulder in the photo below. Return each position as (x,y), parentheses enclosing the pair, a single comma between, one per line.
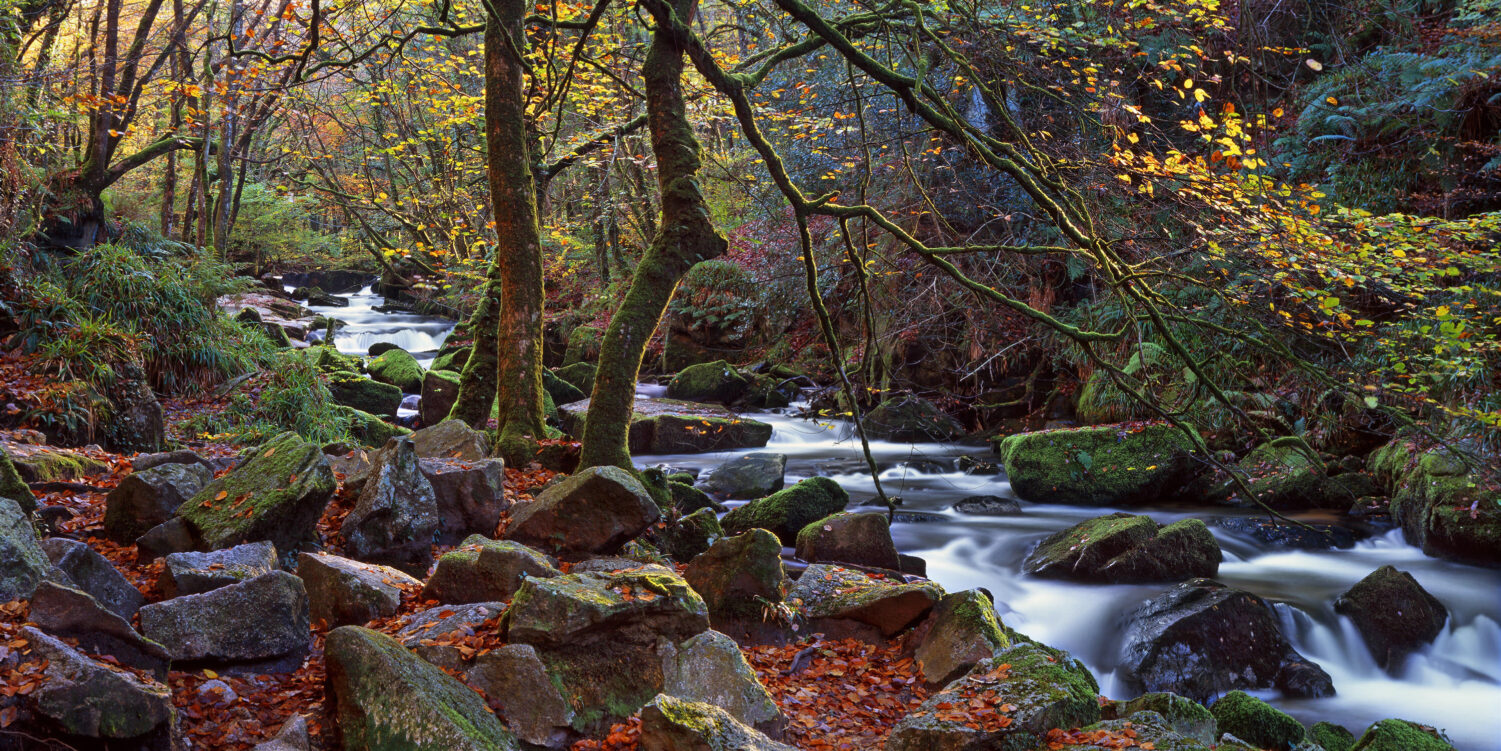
(1401,735)
(40,463)
(858,538)
(561,391)
(787,511)
(432,634)
(368,429)
(1287,474)
(484,570)
(691,535)
(1201,639)
(738,576)
(395,520)
(1331,737)
(688,499)
(709,668)
(1184,716)
(1122,547)
(258,624)
(716,381)
(988,505)
(365,395)
(451,359)
(383,697)
(835,593)
(599,635)
(909,419)
(768,392)
(580,375)
(754,475)
(440,389)
(596,510)
(470,494)
(1111,465)
(672,724)
(94,700)
(1306,535)
(75,615)
(517,686)
(1044,688)
(12,486)
(342,592)
(277,495)
(174,535)
(23,565)
(1393,613)
(192,573)
(962,631)
(1251,719)
(398,368)
(178,456)
(450,439)
(1148,730)
(146,498)
(1442,508)
(81,567)
(670,426)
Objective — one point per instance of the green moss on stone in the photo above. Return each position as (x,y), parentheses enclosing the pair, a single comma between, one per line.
(1251,719)
(398,368)
(12,486)
(716,381)
(787,511)
(277,495)
(1400,735)
(1107,465)
(451,360)
(1331,737)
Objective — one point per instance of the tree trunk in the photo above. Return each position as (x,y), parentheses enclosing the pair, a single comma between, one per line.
(684,237)
(505,364)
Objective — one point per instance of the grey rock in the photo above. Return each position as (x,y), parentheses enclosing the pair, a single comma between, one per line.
(193,573)
(264,620)
(174,535)
(483,570)
(396,518)
(470,494)
(596,510)
(672,724)
(89,699)
(754,475)
(293,736)
(23,565)
(423,631)
(180,456)
(988,505)
(519,689)
(710,668)
(342,592)
(73,614)
(91,572)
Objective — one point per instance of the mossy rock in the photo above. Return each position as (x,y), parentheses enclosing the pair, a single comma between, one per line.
(278,494)
(329,361)
(384,698)
(369,430)
(381,399)
(964,630)
(787,511)
(565,611)
(671,426)
(1401,735)
(47,464)
(1287,474)
(561,391)
(1115,465)
(1251,719)
(1149,730)
(1186,716)
(398,368)
(669,722)
(583,346)
(716,381)
(1393,613)
(1331,737)
(1122,548)
(485,570)
(580,375)
(23,564)
(1446,512)
(860,538)
(12,486)
(738,575)
(910,419)
(451,360)
(1047,688)
(766,392)
(691,535)
(440,389)
(688,499)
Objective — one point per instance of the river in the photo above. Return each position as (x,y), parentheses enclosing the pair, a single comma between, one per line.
(1453,684)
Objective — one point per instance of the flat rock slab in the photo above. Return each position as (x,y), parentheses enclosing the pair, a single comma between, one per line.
(90,699)
(74,614)
(192,573)
(263,621)
(342,591)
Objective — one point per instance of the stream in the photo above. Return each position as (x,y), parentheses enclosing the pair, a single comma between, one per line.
(1453,684)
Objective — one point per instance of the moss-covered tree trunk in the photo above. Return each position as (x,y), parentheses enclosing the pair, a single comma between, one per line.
(505,364)
(684,237)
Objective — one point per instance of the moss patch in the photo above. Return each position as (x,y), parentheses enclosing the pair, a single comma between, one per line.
(1400,735)
(277,495)
(1251,719)
(1116,465)
(787,511)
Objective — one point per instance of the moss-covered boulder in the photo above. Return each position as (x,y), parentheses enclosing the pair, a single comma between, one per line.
(1147,729)
(1043,688)
(1113,465)
(599,633)
(861,538)
(710,668)
(787,511)
(738,576)
(561,391)
(361,393)
(1251,719)
(1183,715)
(670,426)
(451,359)
(48,464)
(1331,737)
(12,486)
(92,700)
(1287,474)
(596,510)
(716,381)
(383,698)
(1393,613)
(669,723)
(1202,638)
(688,499)
(755,475)
(911,420)
(342,592)
(368,429)
(398,368)
(835,593)
(440,389)
(1123,547)
(1442,508)
(690,535)
(1401,735)
(579,375)
(278,494)
(484,570)
(962,631)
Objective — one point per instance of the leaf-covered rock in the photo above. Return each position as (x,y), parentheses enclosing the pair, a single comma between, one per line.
(596,510)
(191,573)
(90,699)
(276,495)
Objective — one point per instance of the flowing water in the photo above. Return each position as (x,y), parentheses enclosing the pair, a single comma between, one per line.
(1453,684)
